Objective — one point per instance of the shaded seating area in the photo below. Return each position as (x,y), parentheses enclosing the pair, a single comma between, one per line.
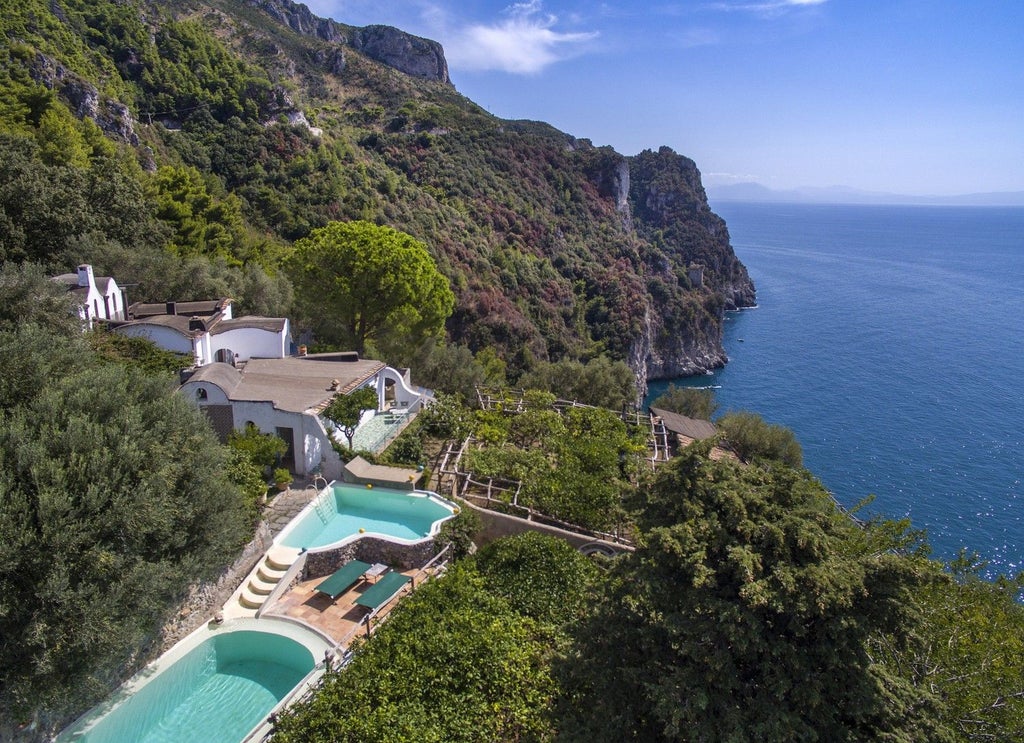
(343,578)
(385,589)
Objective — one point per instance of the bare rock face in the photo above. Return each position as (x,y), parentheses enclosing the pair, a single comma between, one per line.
(410,54)
(406,53)
(301,19)
(332,60)
(113,117)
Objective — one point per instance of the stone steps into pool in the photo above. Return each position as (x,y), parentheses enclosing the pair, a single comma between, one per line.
(268,574)
(281,558)
(260,586)
(260,583)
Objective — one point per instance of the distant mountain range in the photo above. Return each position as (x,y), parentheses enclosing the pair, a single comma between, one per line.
(846,195)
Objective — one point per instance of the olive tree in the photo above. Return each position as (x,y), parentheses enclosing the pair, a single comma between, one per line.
(114,497)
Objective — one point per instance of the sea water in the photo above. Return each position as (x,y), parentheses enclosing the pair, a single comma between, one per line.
(891,341)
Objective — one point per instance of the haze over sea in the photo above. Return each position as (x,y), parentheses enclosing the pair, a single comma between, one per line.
(891,340)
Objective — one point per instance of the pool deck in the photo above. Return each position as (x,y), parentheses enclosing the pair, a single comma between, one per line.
(338,619)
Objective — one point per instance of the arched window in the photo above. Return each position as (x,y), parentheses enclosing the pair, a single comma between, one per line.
(201,394)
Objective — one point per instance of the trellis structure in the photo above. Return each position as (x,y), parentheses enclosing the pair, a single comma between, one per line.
(513,402)
(497,494)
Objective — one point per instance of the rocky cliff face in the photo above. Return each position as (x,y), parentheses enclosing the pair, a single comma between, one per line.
(406,53)
(657,197)
(84,100)
(670,210)
(556,248)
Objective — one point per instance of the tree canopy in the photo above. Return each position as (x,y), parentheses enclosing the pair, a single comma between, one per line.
(692,402)
(345,411)
(745,615)
(113,498)
(454,663)
(752,438)
(356,282)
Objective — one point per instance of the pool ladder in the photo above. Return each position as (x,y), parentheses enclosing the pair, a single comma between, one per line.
(324,511)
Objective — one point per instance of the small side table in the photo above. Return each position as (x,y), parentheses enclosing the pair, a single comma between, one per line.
(376,571)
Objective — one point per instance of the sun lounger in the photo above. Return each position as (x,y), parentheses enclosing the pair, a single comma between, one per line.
(343,578)
(385,589)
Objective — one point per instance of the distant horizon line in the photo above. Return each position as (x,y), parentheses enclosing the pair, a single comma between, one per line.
(755,192)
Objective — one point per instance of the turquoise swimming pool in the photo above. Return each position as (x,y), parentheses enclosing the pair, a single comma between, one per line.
(217,688)
(342,512)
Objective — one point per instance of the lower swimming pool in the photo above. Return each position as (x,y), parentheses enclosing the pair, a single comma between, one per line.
(342,512)
(216,685)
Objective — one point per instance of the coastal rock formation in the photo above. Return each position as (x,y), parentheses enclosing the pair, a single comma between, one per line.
(693,274)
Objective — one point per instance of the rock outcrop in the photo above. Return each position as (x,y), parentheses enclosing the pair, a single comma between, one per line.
(404,52)
(300,18)
(670,210)
(84,100)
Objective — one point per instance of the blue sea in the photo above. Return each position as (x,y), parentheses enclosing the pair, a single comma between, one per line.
(891,340)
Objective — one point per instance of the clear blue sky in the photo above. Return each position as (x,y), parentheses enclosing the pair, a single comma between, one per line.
(906,96)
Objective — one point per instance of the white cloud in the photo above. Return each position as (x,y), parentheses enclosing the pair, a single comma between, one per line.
(769,8)
(524,43)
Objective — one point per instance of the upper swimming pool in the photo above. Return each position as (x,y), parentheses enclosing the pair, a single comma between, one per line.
(217,684)
(342,512)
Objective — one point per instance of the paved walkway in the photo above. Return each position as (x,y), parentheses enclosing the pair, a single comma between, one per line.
(284,507)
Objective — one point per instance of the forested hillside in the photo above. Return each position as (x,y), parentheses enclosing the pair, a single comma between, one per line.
(182,147)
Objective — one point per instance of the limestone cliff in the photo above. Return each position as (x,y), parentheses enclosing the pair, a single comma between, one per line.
(693,274)
(404,52)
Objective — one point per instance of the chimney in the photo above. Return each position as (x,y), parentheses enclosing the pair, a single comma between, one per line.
(196,323)
(171,309)
(85,277)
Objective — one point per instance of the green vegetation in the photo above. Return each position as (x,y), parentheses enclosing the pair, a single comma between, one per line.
(139,351)
(746,614)
(263,450)
(113,499)
(599,382)
(752,609)
(161,143)
(156,142)
(967,648)
(454,662)
(752,438)
(574,466)
(345,411)
(542,577)
(358,282)
(689,401)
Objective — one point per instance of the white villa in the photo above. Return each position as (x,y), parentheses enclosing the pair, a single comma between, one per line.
(285,396)
(244,371)
(100,297)
(207,331)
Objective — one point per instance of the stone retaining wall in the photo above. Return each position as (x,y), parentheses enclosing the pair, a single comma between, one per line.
(371,550)
(205,599)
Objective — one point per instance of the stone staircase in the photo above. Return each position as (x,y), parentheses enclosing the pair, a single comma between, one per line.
(253,593)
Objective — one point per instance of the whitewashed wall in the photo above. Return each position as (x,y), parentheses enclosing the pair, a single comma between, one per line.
(251,343)
(166,338)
